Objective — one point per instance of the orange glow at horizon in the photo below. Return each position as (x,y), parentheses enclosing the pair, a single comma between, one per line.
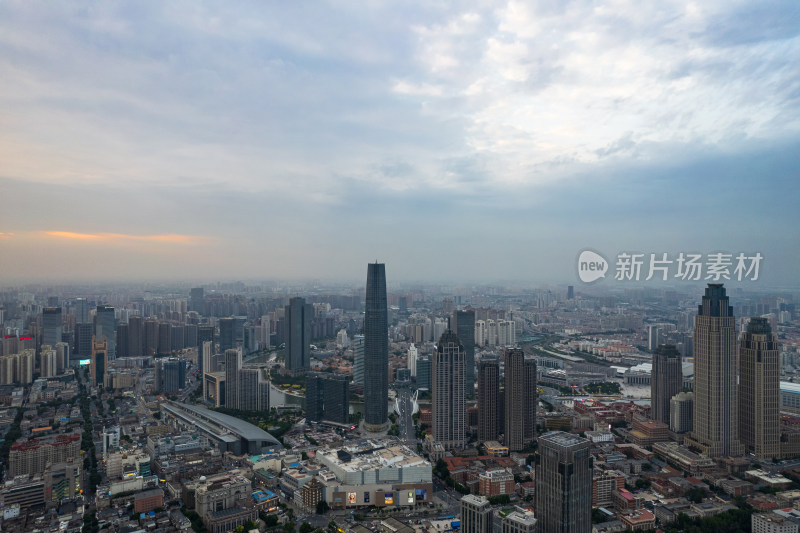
(171,238)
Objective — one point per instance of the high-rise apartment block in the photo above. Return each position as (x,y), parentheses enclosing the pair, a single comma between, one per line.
(666,381)
(759,390)
(448,405)
(376,350)
(564,484)
(358,360)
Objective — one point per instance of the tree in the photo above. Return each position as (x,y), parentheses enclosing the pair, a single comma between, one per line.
(598,516)
(695,494)
(305,527)
(502,499)
(323,507)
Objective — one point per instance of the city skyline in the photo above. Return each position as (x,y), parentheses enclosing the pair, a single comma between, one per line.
(535,130)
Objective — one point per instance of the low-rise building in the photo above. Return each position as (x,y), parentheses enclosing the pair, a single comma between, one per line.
(519,522)
(496,482)
(146,501)
(641,520)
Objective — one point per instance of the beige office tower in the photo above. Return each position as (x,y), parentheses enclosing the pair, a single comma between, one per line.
(520,399)
(759,390)
(476,514)
(448,406)
(715,431)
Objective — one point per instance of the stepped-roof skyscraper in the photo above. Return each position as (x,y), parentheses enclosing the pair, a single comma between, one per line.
(759,390)
(665,382)
(376,350)
(715,404)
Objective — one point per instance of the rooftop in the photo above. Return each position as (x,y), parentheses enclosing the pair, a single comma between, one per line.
(243,429)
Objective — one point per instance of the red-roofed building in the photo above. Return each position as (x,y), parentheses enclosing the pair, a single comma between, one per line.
(641,520)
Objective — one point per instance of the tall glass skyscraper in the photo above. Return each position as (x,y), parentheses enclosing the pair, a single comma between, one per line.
(297,328)
(564,483)
(376,350)
(464,327)
(106,326)
(448,405)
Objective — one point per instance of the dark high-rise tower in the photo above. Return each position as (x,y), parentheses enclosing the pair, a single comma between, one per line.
(666,381)
(99,361)
(759,390)
(715,421)
(564,484)
(135,336)
(327,397)
(376,350)
(196,300)
(226,336)
(51,326)
(233,363)
(297,328)
(464,327)
(448,404)
(105,325)
(83,340)
(488,391)
(520,399)
(150,338)
(123,338)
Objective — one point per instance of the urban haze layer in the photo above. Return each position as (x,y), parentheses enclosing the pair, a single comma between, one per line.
(419,407)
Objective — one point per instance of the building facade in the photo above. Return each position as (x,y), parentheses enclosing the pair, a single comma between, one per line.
(327,397)
(476,514)
(297,328)
(488,391)
(464,327)
(520,399)
(715,430)
(448,405)
(564,483)
(759,390)
(665,382)
(376,350)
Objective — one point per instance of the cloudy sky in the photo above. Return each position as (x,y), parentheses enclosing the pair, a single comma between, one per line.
(452,140)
